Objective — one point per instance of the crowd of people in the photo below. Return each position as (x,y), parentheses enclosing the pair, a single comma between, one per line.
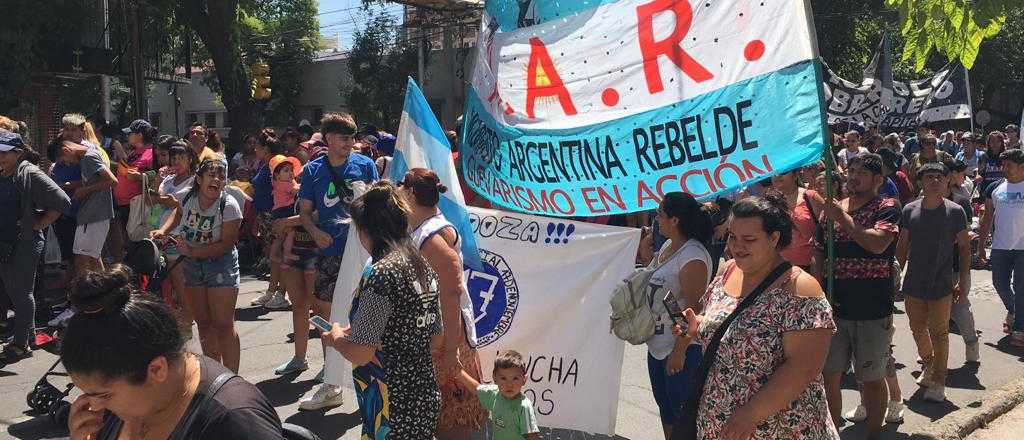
(759,352)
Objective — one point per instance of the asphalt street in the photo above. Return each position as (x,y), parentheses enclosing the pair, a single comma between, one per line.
(265,344)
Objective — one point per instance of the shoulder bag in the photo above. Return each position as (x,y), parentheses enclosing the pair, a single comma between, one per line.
(685,427)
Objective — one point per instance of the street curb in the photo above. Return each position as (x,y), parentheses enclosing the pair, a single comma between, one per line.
(962,423)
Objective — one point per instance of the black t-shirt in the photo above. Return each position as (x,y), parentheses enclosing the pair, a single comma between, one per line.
(237,411)
(11,198)
(864,283)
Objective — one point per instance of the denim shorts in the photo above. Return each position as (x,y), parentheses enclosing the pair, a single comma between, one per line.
(670,392)
(306,262)
(213,273)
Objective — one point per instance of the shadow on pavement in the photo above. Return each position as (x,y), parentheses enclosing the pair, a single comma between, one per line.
(1003,345)
(326,426)
(859,432)
(933,411)
(965,377)
(251,314)
(281,390)
(36,428)
(566,434)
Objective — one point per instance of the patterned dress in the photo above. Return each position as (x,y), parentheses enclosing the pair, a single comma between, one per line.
(749,354)
(398,315)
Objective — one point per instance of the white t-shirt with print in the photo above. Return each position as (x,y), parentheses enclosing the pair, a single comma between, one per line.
(201,227)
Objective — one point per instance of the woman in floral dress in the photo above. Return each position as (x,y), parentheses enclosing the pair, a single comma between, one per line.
(765,382)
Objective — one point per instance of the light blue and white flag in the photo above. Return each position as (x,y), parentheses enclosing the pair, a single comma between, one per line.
(422,143)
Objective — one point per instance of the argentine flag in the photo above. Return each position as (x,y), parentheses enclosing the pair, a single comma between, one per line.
(421,143)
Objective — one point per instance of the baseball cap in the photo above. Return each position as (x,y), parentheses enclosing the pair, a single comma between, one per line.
(281,159)
(10,141)
(138,126)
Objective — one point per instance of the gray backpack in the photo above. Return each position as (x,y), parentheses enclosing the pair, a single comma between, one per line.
(632,319)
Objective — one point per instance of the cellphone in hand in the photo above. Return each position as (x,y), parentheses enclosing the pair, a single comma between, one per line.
(320,323)
(674,311)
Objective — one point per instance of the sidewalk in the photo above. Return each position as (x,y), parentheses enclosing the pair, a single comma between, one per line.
(1006,427)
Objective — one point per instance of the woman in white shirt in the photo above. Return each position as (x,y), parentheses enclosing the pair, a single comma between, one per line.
(683,271)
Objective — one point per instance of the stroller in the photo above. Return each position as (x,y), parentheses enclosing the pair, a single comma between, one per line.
(143,257)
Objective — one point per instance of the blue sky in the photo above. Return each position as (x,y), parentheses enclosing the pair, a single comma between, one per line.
(340,18)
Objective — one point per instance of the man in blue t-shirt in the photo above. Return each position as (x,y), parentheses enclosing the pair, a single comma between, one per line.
(327,189)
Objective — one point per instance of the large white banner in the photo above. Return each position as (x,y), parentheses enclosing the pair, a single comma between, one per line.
(544,292)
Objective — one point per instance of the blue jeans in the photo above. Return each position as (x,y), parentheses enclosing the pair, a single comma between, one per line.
(1007,265)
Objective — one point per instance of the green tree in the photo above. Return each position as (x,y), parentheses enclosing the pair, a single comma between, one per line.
(380,61)
(954,28)
(285,34)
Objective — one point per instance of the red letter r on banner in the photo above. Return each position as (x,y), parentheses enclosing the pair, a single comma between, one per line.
(669,47)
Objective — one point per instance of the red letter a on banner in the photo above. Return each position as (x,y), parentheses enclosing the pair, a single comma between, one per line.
(542,80)
(669,47)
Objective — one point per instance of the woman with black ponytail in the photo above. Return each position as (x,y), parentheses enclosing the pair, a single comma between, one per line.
(124,350)
(395,317)
(682,272)
(761,379)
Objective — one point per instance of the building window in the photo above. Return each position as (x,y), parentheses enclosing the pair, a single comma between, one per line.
(318,114)
(193,118)
(227,122)
(154,118)
(211,120)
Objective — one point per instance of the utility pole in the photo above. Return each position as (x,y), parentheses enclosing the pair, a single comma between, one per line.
(104,78)
(420,67)
(138,78)
(449,61)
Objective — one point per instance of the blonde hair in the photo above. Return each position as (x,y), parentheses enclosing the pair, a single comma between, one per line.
(8,124)
(90,134)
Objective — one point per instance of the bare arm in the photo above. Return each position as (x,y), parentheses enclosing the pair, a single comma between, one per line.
(693,282)
(903,247)
(358,354)
(467,381)
(45,220)
(448,265)
(106,182)
(321,238)
(986,223)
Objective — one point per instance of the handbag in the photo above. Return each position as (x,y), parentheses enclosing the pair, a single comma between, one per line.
(139,210)
(685,427)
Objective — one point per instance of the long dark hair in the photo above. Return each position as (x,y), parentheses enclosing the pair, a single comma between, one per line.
(694,218)
(117,331)
(384,217)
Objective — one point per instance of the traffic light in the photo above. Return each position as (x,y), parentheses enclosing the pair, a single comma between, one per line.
(260,81)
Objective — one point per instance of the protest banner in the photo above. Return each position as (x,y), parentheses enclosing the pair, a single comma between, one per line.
(584,108)
(942,97)
(544,292)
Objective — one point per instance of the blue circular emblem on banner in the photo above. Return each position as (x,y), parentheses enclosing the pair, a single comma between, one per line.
(495,297)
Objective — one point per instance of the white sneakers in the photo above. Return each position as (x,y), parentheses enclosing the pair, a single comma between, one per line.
(893,413)
(857,415)
(263,298)
(935,394)
(277,302)
(922,380)
(326,396)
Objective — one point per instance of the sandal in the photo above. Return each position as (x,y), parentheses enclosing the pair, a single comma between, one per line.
(13,353)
